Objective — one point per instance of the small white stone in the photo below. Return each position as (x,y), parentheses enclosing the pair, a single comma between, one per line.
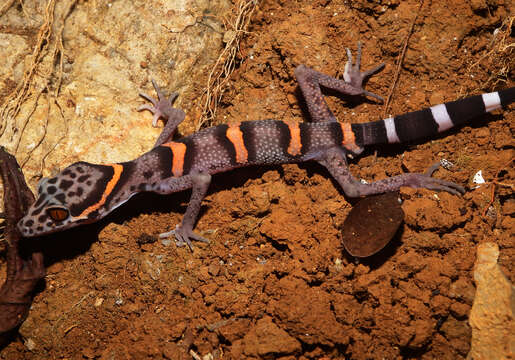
(30,344)
(478,178)
(98,302)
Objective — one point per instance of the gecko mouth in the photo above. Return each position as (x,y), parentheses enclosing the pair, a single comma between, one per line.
(27,227)
(25,231)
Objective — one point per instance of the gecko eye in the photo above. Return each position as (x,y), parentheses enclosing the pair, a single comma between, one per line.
(58,213)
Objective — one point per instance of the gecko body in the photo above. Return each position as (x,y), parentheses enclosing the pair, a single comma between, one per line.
(84,193)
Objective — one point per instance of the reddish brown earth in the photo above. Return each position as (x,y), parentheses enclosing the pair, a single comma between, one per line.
(275,282)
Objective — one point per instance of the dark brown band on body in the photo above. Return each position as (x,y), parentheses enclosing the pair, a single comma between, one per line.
(370,133)
(125,176)
(249,139)
(221,137)
(164,160)
(284,136)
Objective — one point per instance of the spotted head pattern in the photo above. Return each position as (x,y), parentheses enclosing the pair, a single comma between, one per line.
(79,194)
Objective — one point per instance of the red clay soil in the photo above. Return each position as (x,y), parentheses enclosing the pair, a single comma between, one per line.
(275,282)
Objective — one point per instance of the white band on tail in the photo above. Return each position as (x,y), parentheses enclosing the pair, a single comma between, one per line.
(492,101)
(391,133)
(441,116)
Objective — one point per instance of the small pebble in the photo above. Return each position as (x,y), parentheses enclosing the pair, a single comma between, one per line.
(166,242)
(30,344)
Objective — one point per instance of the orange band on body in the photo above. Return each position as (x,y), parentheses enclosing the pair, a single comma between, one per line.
(179,150)
(349,139)
(235,136)
(118,169)
(295,142)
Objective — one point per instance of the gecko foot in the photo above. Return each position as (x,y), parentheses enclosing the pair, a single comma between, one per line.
(183,237)
(426,181)
(355,77)
(161,107)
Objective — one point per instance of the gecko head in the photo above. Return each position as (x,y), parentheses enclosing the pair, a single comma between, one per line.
(66,200)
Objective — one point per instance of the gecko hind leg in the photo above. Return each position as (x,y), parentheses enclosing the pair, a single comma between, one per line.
(334,161)
(162,108)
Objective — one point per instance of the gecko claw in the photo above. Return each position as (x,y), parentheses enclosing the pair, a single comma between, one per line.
(161,107)
(183,237)
(173,96)
(157,113)
(149,98)
(426,181)
(355,77)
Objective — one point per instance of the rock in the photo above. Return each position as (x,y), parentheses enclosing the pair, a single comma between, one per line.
(311,319)
(266,339)
(30,344)
(55,268)
(433,211)
(151,266)
(491,316)
(458,334)
(478,5)
(102,76)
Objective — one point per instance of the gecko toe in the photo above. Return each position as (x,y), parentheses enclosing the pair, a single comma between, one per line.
(184,237)
(162,106)
(172,97)
(428,182)
(148,98)
(372,71)
(372,95)
(159,93)
(354,76)
(440,184)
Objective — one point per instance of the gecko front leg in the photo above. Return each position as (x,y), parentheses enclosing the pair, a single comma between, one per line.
(199,183)
(162,108)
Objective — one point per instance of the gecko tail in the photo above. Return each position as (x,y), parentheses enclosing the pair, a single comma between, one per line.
(431,121)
